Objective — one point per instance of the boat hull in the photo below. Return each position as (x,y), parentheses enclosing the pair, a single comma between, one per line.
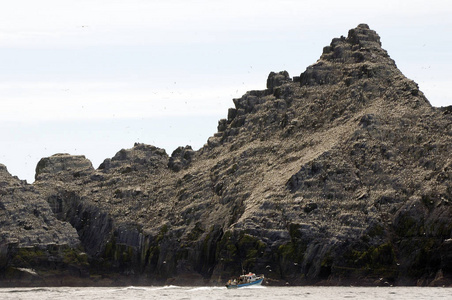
(235,286)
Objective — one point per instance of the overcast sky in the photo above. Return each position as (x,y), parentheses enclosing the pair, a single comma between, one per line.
(93,76)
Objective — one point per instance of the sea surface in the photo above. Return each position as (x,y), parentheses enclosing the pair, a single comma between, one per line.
(212,293)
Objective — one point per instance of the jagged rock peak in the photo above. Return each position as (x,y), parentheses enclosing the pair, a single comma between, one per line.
(277,79)
(363,35)
(3,169)
(361,44)
(358,56)
(5,176)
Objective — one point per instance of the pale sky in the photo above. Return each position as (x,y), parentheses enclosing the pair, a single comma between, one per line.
(92,77)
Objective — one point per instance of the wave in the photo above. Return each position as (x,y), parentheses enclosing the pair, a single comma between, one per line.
(168,287)
(207,288)
(133,288)
(142,288)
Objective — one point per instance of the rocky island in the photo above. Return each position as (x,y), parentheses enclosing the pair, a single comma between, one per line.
(342,175)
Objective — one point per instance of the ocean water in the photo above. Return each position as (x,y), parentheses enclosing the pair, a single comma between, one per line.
(212,293)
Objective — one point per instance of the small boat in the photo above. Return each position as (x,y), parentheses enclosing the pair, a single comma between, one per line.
(245,280)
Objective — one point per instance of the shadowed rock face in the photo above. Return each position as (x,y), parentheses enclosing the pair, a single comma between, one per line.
(340,176)
(27,219)
(31,237)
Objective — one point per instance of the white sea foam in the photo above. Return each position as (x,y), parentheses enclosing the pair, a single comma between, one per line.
(172,292)
(207,288)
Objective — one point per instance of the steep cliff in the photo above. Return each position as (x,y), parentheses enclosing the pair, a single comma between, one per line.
(340,175)
(35,247)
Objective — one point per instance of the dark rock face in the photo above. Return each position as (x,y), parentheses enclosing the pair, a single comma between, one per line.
(35,247)
(339,176)
(180,158)
(27,219)
(277,79)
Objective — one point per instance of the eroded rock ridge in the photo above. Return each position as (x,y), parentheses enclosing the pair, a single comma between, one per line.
(341,175)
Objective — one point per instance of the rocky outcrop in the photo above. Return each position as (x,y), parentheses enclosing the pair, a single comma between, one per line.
(180,158)
(63,165)
(341,175)
(140,157)
(35,247)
